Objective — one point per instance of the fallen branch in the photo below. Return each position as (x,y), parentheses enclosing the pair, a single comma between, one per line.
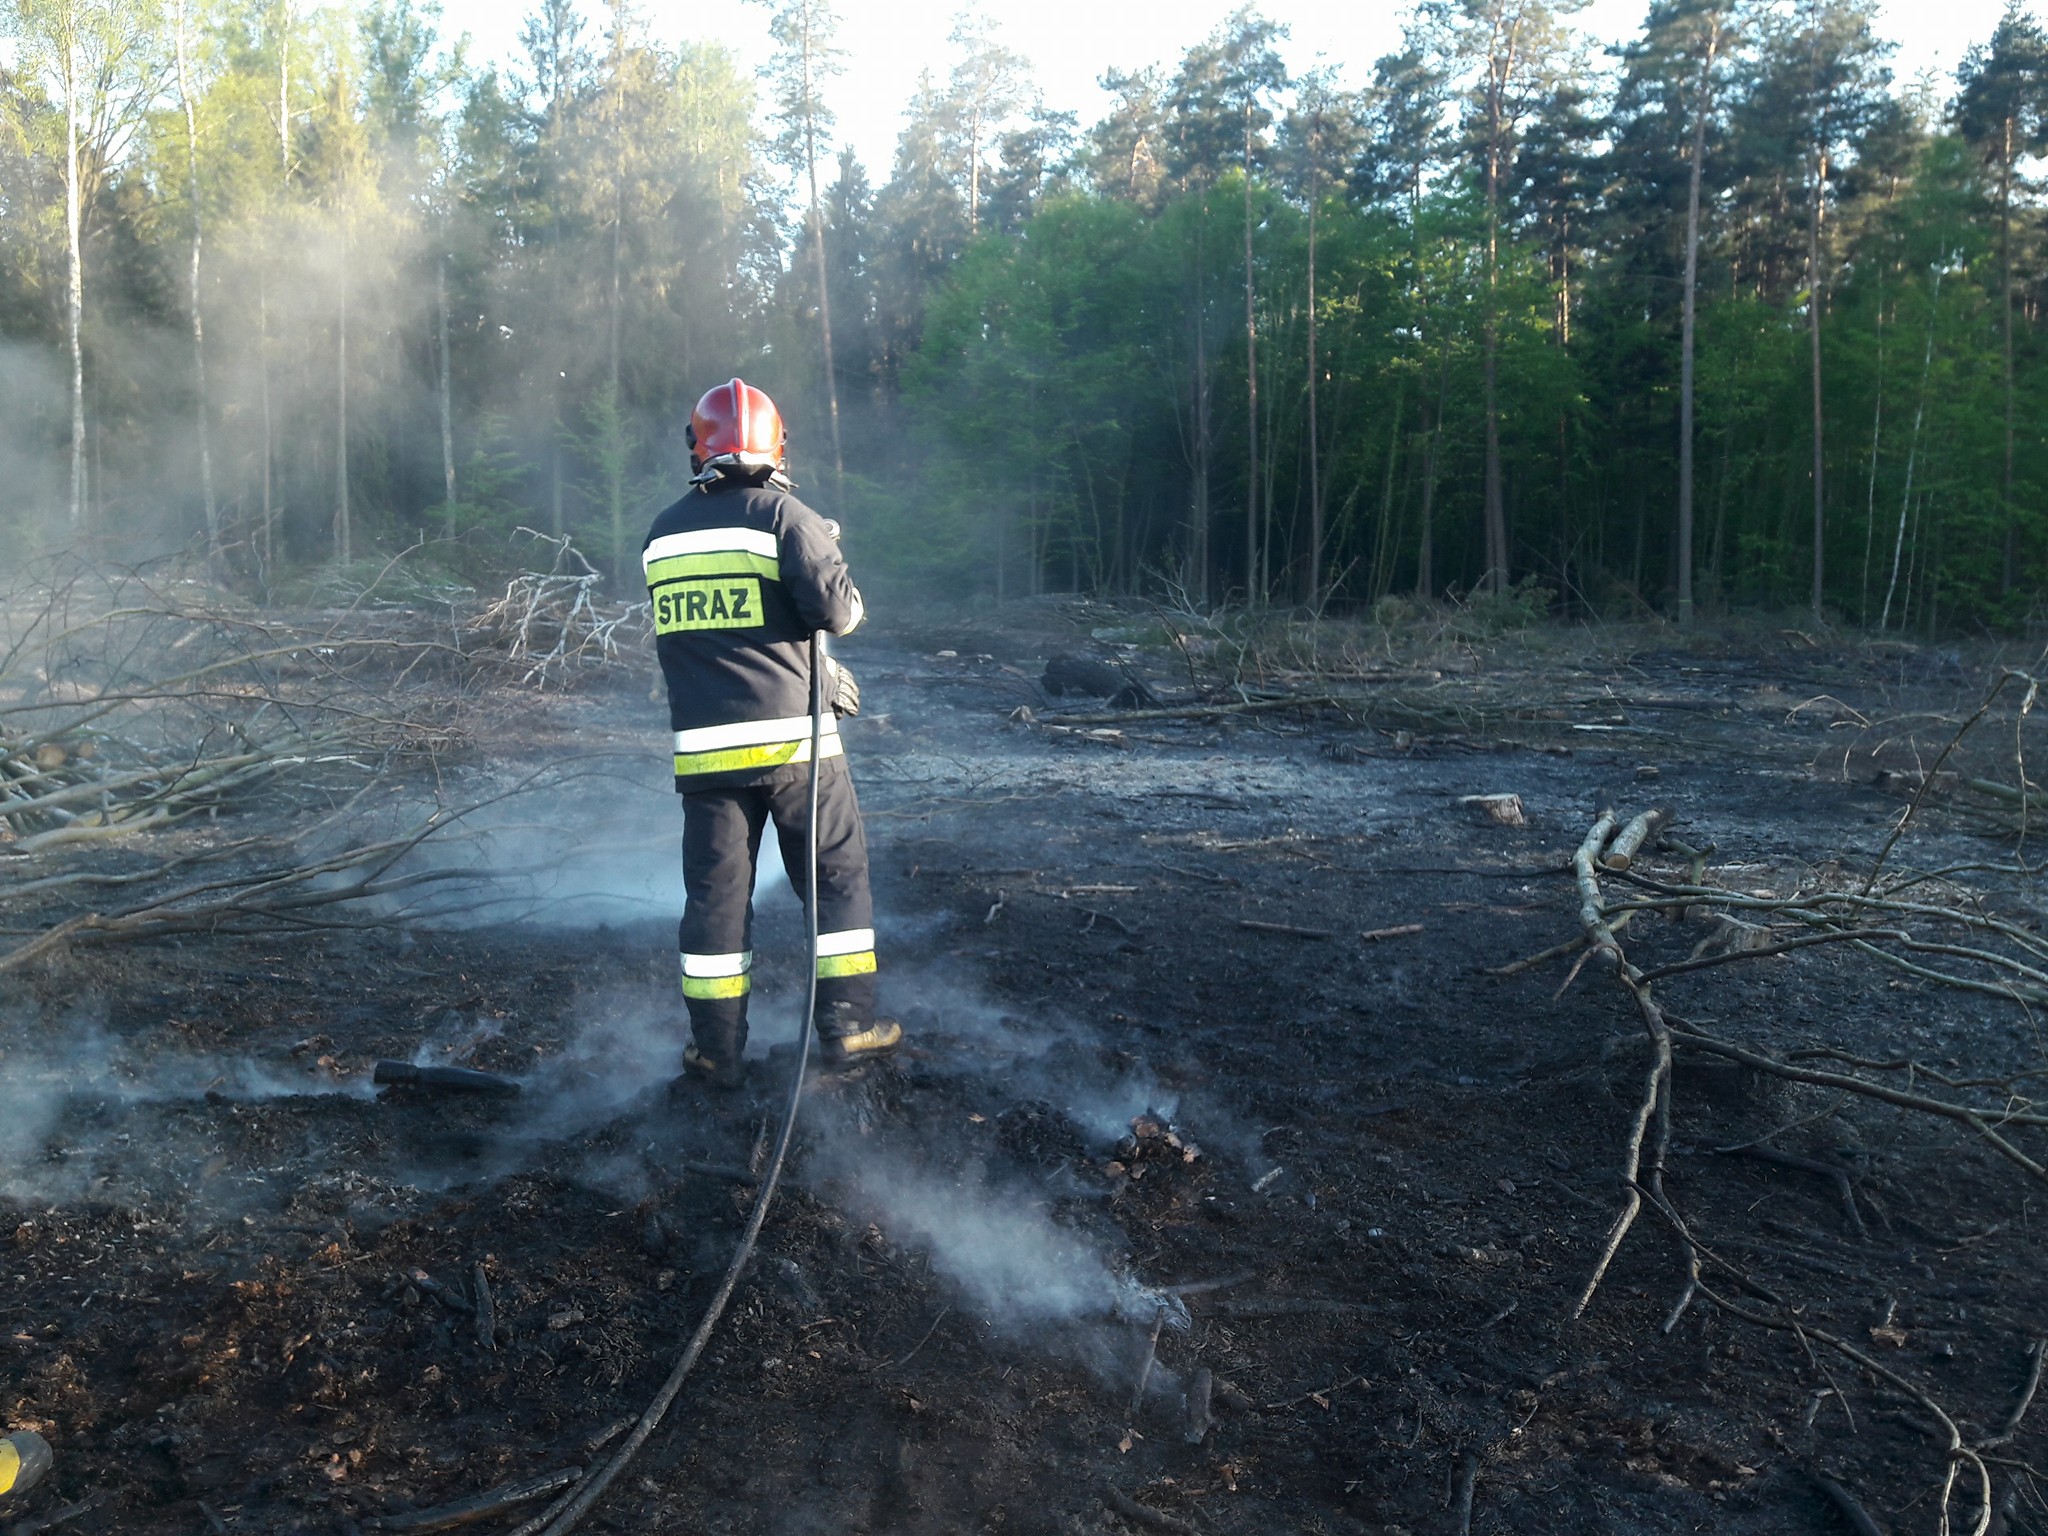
(2012,1423)
(1468,1484)
(1145,1515)
(446,1517)
(1845,1501)
(1630,840)
(1285,928)
(1202,711)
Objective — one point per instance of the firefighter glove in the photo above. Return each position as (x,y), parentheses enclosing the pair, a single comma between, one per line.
(845,692)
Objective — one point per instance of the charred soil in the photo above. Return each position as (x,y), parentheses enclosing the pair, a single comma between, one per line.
(1219,1187)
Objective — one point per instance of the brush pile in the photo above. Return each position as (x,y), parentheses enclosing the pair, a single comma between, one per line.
(134,705)
(553,624)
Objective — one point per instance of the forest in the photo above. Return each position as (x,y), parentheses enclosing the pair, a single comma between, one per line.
(1721,318)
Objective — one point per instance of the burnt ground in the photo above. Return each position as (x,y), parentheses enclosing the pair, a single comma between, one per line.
(1385,1181)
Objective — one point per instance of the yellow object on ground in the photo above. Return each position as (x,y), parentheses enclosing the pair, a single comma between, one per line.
(24,1457)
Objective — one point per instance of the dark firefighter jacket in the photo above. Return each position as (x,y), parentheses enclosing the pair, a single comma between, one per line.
(740,577)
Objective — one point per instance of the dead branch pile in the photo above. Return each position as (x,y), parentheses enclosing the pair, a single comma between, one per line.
(134,705)
(128,704)
(1935,927)
(553,623)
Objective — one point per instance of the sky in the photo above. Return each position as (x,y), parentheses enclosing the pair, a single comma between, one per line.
(1071,42)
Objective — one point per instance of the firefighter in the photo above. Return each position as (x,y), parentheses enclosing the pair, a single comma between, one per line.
(741,575)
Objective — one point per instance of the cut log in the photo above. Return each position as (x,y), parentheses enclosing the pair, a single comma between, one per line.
(1629,841)
(1502,810)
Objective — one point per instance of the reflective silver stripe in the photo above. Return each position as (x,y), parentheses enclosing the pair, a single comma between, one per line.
(860,611)
(718,965)
(709,541)
(755,733)
(848,941)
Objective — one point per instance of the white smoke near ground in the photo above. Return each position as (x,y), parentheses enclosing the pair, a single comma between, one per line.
(67,1082)
(577,857)
(991,1237)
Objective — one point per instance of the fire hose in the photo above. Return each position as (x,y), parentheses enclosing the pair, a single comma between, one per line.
(563,1516)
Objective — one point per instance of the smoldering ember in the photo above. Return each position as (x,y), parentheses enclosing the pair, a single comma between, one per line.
(1444,695)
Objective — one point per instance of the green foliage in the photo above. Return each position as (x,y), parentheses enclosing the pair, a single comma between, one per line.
(1456,294)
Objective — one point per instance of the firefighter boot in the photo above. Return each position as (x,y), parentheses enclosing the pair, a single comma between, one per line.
(844,1040)
(715,1057)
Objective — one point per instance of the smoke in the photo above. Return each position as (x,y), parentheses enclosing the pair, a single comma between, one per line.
(33,388)
(605,850)
(990,1235)
(69,1089)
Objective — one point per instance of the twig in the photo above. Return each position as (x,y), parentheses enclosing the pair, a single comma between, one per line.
(1977,1119)
(1146,1515)
(1927,779)
(1402,931)
(1095,915)
(1836,1176)
(897,1365)
(486,1312)
(1286,928)
(445,1517)
(57,1517)
(2012,1423)
(1655,1102)
(1320,1396)
(1198,711)
(1845,1501)
(1145,1370)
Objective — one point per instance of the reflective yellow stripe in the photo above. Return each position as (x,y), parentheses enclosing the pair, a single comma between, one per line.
(862,964)
(770,755)
(716,986)
(10,1465)
(733,562)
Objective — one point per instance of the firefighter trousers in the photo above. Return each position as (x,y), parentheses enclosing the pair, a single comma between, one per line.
(721,840)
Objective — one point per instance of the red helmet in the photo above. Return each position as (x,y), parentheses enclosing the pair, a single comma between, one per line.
(736,426)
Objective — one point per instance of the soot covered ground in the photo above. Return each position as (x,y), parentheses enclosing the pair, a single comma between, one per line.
(1350,1185)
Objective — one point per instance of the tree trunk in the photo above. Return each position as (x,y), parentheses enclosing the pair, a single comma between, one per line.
(1820,185)
(343,533)
(2007,515)
(1876,438)
(447,404)
(74,283)
(284,92)
(1315,464)
(1200,511)
(1386,546)
(1913,449)
(615,455)
(264,545)
(1499,65)
(974,173)
(824,284)
(1254,584)
(1703,104)
(198,312)
(1425,559)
